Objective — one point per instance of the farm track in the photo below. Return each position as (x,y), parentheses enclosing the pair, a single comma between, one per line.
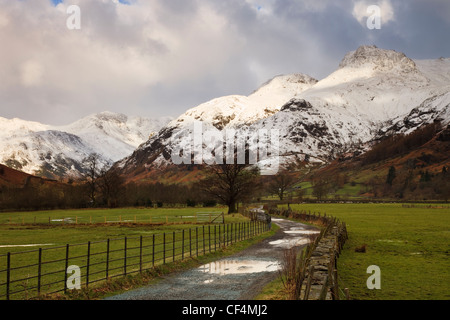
(238,277)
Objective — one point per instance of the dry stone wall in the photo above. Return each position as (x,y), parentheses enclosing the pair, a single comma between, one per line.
(322,280)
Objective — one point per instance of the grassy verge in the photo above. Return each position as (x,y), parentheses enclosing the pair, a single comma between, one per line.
(275,290)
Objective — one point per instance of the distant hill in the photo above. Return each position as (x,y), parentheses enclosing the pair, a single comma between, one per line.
(17,179)
(58,151)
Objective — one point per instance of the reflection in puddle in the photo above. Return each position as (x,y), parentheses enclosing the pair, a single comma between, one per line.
(289,243)
(225,267)
(305,232)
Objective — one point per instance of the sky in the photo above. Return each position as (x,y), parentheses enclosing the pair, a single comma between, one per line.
(156,58)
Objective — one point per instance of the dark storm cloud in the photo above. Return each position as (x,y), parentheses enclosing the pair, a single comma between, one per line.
(154,57)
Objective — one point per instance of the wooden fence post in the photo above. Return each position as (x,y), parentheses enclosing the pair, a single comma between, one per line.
(220,227)
(233,233)
(215,238)
(196,240)
(88,263)
(164,248)
(209,238)
(336,285)
(203,227)
(65,269)
(140,254)
(308,284)
(125,257)
(182,246)
(324,290)
(173,246)
(39,271)
(8,274)
(153,251)
(107,259)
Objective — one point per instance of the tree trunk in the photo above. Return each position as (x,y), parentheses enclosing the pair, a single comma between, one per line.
(232,206)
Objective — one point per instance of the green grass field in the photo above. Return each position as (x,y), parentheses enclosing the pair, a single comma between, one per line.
(409,244)
(87,216)
(160,243)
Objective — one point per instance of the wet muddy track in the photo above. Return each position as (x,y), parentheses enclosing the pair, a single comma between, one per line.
(237,277)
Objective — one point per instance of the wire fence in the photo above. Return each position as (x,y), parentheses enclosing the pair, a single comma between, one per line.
(318,264)
(44,271)
(198,217)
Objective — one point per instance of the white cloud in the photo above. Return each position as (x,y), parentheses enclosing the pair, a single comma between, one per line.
(361,13)
(31,73)
(117,55)
(4,21)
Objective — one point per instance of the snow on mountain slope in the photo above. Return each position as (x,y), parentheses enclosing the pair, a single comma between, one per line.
(235,110)
(375,83)
(114,135)
(229,112)
(370,91)
(436,108)
(55,151)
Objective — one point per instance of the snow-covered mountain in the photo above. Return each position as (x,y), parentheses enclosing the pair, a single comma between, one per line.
(373,92)
(55,151)
(235,111)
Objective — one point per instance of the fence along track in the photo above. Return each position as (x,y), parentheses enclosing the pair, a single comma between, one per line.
(199,217)
(101,260)
(320,279)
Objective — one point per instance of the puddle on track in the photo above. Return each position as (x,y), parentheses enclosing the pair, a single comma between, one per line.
(289,243)
(228,267)
(296,236)
(304,232)
(230,278)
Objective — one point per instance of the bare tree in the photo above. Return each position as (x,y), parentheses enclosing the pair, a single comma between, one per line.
(230,183)
(110,184)
(321,189)
(280,183)
(92,163)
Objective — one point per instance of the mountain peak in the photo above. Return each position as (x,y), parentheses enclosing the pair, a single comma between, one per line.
(379,59)
(284,79)
(110,116)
